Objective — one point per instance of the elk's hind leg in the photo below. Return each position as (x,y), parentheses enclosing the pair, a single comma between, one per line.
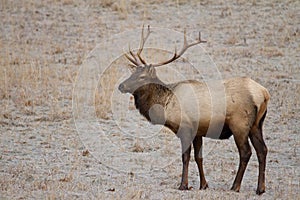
(241,140)
(260,147)
(197,143)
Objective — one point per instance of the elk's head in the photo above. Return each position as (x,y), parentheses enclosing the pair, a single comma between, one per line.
(143,73)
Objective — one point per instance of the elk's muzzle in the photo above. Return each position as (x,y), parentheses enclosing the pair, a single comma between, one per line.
(122,88)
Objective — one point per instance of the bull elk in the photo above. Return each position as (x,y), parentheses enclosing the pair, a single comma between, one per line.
(185,108)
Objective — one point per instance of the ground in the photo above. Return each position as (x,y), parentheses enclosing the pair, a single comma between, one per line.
(45,152)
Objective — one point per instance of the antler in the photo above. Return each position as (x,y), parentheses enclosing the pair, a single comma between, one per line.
(184,48)
(137,60)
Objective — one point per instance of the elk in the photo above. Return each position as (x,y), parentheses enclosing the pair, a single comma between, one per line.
(185,108)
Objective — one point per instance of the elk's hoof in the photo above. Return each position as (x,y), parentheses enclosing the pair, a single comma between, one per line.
(204,186)
(235,188)
(185,187)
(260,191)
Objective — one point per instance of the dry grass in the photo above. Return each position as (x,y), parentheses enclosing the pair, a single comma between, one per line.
(232,40)
(32,86)
(42,47)
(106,86)
(271,52)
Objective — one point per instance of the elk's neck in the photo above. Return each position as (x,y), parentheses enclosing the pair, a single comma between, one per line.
(150,96)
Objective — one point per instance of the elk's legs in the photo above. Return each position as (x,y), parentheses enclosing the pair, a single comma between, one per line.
(186,138)
(197,143)
(245,154)
(261,152)
(185,162)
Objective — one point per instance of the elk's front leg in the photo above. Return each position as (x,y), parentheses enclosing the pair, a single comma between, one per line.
(199,160)
(185,168)
(186,137)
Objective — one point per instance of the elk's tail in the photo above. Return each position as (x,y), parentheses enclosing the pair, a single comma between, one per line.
(262,110)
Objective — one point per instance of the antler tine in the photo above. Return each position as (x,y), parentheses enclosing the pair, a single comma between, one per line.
(136,59)
(133,60)
(184,48)
(200,40)
(142,43)
(143,39)
(184,38)
(132,54)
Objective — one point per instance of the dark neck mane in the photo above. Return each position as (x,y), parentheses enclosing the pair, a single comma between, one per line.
(150,94)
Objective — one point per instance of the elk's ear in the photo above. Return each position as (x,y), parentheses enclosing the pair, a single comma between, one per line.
(151,70)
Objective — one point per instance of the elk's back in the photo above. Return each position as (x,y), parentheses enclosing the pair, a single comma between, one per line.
(207,106)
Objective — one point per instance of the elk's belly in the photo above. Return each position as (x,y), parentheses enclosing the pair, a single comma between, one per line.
(215,129)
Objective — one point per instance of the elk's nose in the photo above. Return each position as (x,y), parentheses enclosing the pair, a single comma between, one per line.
(121,87)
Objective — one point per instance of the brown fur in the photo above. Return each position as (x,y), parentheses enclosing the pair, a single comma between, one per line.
(179,108)
(150,94)
(193,110)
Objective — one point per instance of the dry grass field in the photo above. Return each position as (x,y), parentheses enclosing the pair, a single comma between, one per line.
(43,152)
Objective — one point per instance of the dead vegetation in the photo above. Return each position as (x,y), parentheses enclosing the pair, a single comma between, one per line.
(43,44)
